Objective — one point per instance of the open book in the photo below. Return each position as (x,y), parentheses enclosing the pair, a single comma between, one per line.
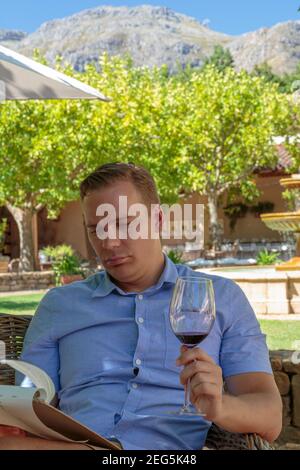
(33,410)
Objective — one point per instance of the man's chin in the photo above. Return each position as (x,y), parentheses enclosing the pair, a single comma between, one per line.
(122,272)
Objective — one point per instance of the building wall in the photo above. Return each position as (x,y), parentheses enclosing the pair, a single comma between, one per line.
(68,228)
(251,227)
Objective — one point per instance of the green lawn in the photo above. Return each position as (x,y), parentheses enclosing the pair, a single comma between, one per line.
(280,334)
(20,304)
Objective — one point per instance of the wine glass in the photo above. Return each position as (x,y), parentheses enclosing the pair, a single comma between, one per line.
(192,315)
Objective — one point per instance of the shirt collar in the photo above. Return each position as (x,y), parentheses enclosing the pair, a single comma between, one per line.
(106,285)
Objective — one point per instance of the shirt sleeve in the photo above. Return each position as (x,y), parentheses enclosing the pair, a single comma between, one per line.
(243,347)
(39,348)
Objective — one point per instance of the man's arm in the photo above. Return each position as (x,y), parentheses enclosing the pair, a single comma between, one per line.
(252,403)
(40,347)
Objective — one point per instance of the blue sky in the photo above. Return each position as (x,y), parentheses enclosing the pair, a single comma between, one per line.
(228,16)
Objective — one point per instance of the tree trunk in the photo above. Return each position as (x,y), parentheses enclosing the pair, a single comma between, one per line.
(23,218)
(215,230)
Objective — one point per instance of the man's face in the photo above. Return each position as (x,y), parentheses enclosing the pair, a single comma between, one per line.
(125,259)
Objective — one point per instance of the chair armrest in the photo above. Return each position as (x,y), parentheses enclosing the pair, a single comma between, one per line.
(219,439)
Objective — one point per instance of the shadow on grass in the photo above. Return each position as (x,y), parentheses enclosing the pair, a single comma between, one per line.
(14,306)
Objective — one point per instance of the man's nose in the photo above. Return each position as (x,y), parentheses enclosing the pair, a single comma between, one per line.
(109,243)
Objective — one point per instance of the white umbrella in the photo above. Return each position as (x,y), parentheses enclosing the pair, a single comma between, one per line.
(22,79)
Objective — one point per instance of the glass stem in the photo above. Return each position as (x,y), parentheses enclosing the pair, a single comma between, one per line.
(187,392)
(187,400)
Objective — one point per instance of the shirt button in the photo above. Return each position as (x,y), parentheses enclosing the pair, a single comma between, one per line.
(140,297)
(134,385)
(138,362)
(141,320)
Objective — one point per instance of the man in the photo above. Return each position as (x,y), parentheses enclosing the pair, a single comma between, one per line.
(107,344)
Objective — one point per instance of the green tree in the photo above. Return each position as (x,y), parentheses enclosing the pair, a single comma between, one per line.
(227,134)
(221,59)
(292,144)
(142,121)
(265,71)
(292,80)
(47,148)
(287,83)
(43,149)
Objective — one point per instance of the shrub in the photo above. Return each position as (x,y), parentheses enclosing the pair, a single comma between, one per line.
(55,253)
(67,265)
(176,256)
(64,261)
(265,257)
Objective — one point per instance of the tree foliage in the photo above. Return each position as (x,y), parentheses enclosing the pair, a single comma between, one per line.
(228,133)
(204,130)
(287,83)
(220,59)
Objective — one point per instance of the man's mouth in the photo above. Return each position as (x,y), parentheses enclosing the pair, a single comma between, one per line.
(116,260)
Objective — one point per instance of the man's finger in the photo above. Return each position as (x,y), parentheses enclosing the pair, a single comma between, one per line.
(199,376)
(193,355)
(206,389)
(193,368)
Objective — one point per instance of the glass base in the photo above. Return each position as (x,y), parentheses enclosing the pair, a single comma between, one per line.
(186,411)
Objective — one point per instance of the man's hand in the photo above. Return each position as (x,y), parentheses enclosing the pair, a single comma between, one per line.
(11,431)
(206,381)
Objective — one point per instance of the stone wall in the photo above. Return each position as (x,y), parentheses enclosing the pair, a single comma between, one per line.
(269,292)
(26,281)
(287,376)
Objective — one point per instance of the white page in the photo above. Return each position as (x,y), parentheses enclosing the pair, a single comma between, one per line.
(16,410)
(37,376)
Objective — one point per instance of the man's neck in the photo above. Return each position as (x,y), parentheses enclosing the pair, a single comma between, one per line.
(146,280)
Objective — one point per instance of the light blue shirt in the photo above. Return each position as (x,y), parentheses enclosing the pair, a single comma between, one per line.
(89,337)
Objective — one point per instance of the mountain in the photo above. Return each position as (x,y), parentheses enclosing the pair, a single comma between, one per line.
(154,36)
(279,46)
(151,35)
(10,37)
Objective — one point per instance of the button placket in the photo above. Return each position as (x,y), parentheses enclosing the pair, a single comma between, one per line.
(140,321)
(135,385)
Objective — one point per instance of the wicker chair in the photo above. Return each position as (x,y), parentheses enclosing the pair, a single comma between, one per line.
(12,332)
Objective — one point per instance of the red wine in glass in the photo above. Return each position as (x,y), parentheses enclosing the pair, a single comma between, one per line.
(191,339)
(192,316)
